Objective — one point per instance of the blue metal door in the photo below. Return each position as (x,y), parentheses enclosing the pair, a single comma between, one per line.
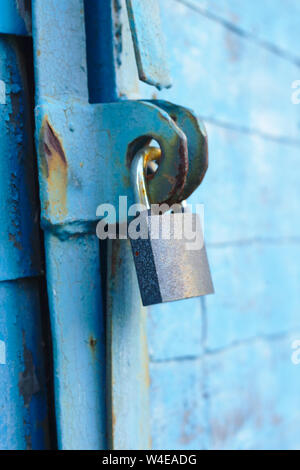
(84,365)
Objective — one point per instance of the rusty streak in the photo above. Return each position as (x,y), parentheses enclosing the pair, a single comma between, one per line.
(14,241)
(183,168)
(92,345)
(54,168)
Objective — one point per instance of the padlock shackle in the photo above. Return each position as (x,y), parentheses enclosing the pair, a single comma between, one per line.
(138,179)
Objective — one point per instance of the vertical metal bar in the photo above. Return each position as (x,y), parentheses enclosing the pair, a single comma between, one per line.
(127,354)
(73,274)
(23,397)
(72,256)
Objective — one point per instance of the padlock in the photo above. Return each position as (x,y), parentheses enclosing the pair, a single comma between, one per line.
(168,264)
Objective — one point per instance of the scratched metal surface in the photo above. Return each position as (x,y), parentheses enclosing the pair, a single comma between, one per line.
(220,368)
(23,397)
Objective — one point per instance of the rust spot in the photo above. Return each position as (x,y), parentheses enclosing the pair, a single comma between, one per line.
(183,167)
(113,422)
(15,242)
(38,52)
(171,179)
(126,181)
(136,253)
(178,181)
(92,345)
(54,167)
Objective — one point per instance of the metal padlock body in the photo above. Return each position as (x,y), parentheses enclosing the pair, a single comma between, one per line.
(170,268)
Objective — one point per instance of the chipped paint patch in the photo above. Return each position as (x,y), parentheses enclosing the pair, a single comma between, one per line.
(28,382)
(54,169)
(2,352)
(2,92)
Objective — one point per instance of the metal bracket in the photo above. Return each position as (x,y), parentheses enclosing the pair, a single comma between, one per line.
(197,144)
(85,149)
(79,143)
(85,152)
(148,41)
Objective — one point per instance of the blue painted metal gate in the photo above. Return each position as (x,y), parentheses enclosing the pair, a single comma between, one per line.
(214,372)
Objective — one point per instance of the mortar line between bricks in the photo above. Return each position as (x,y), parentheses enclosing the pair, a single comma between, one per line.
(256,241)
(175,359)
(279,139)
(243,33)
(252,340)
(232,345)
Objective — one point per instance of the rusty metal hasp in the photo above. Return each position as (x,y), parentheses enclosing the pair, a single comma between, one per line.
(79,143)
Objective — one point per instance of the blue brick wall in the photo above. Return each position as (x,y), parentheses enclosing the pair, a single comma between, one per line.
(220,367)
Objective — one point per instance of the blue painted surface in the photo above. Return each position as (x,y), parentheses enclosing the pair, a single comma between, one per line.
(101,149)
(112,74)
(221,373)
(224,378)
(23,403)
(73,275)
(19,236)
(243,84)
(72,258)
(148,41)
(127,353)
(11,21)
(100,43)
